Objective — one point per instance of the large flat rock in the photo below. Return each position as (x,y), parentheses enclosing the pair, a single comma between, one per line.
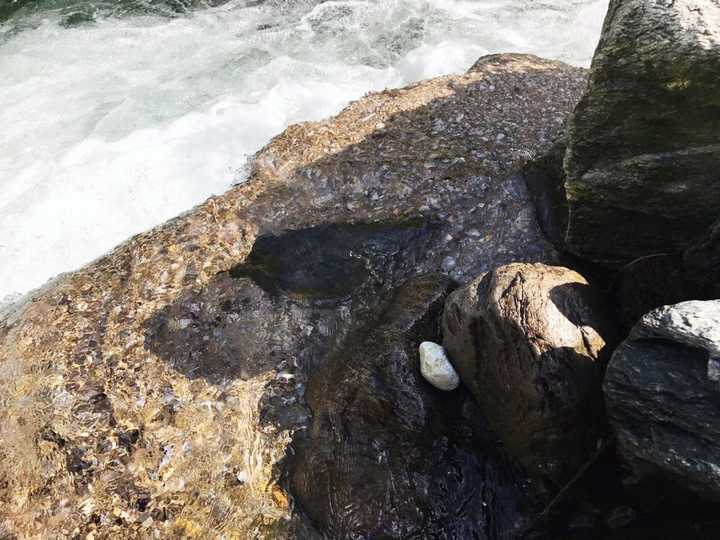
(156,390)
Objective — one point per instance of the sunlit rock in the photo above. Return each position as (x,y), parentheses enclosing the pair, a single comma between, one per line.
(529,341)
(644,143)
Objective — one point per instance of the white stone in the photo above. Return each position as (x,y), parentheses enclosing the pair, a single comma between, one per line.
(436,367)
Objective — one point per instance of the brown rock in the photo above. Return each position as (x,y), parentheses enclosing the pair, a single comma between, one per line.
(202,334)
(527,339)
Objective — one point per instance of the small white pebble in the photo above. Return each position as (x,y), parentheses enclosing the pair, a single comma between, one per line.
(436,368)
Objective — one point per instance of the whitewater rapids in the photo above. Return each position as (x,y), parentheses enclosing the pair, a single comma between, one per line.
(114,120)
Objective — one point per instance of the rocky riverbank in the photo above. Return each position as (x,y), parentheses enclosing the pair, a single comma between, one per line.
(250,369)
(159,388)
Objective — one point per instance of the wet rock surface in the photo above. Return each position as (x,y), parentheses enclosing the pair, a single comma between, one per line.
(157,391)
(387,455)
(662,391)
(644,144)
(528,341)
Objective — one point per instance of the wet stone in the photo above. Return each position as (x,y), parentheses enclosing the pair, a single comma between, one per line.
(436,367)
(386,455)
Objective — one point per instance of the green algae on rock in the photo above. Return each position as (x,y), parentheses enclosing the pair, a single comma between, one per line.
(644,142)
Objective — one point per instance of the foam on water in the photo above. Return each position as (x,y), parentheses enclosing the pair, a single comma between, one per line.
(112,127)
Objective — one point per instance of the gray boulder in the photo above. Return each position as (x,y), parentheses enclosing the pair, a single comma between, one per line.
(662,390)
(644,144)
(527,340)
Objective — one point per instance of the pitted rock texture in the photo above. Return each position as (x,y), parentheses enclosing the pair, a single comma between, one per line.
(662,391)
(528,340)
(644,142)
(156,391)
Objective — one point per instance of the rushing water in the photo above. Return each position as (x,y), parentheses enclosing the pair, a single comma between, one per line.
(117,115)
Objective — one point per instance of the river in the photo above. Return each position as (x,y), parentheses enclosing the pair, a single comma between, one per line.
(115,116)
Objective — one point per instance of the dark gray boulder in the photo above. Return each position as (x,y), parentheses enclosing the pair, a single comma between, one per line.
(159,391)
(702,261)
(662,391)
(644,143)
(527,340)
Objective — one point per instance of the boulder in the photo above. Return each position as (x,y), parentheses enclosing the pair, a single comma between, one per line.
(644,141)
(528,340)
(662,391)
(157,391)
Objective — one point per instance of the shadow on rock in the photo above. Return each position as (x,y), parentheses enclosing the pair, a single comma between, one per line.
(389,456)
(328,306)
(290,294)
(378,451)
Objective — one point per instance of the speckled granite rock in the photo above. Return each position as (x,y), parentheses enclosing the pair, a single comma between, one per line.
(662,390)
(644,145)
(155,391)
(529,341)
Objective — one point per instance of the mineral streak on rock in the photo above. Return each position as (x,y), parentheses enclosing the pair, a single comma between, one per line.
(156,390)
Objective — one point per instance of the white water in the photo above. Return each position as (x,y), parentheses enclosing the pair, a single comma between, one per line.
(110,128)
